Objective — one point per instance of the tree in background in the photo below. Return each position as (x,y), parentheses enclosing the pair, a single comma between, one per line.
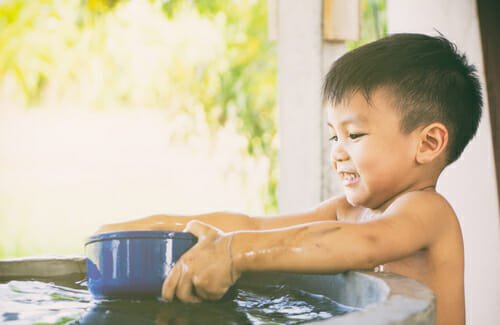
(198,60)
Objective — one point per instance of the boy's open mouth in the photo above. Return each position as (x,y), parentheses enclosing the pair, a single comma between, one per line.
(349,178)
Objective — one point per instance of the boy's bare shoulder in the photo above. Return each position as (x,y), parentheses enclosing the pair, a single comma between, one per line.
(423,203)
(429,208)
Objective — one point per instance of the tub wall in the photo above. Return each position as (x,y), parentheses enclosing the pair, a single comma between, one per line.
(383,298)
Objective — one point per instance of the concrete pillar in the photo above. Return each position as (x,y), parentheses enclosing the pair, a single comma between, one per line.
(299,104)
(303,59)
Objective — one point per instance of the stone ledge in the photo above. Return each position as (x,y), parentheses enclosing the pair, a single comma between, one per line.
(42,266)
(383,298)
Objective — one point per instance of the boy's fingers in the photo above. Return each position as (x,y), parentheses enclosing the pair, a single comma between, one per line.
(170,283)
(204,295)
(185,289)
(200,229)
(200,289)
(206,291)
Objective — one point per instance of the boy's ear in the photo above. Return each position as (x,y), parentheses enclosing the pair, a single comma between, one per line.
(433,140)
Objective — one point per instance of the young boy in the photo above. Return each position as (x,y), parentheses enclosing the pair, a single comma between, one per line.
(399,111)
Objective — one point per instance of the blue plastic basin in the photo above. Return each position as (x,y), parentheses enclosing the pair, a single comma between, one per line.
(132,263)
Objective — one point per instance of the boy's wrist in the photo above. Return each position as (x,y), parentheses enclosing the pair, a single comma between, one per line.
(250,251)
(238,251)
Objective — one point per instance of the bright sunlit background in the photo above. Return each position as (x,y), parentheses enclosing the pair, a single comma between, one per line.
(118,109)
(111,110)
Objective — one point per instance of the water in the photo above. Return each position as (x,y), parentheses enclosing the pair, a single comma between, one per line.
(35,302)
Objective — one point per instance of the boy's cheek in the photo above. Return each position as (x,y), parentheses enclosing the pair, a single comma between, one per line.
(333,163)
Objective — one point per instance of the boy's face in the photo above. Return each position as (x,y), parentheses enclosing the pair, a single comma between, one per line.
(373,158)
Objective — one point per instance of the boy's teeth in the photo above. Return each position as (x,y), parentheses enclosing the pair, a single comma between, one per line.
(349,177)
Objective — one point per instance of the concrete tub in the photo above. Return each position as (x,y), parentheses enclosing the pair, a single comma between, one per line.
(384,298)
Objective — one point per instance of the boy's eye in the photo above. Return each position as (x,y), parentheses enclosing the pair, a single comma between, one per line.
(334,138)
(355,136)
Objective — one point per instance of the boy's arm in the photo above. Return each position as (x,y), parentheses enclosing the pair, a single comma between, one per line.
(412,223)
(229,221)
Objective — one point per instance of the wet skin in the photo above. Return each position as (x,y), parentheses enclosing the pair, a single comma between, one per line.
(390,215)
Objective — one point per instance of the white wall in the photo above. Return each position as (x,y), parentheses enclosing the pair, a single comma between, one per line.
(299,103)
(470,183)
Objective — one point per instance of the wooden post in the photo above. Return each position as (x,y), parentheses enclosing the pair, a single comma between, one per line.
(341,20)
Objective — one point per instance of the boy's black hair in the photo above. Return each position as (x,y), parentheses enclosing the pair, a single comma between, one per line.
(429,79)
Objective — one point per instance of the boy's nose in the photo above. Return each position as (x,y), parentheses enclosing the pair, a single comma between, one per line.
(338,153)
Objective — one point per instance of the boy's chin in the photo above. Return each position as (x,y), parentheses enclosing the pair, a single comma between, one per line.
(353,200)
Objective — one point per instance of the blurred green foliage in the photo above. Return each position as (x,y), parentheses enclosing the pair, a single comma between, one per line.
(191,58)
(247,90)
(373,22)
(205,59)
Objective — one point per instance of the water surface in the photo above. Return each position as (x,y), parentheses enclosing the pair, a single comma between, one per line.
(35,302)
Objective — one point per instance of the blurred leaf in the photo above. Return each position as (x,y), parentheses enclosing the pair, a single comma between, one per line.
(373,22)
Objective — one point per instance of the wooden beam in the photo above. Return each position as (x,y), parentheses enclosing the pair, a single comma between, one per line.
(341,20)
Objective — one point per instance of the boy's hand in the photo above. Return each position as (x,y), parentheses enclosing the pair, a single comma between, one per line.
(206,271)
